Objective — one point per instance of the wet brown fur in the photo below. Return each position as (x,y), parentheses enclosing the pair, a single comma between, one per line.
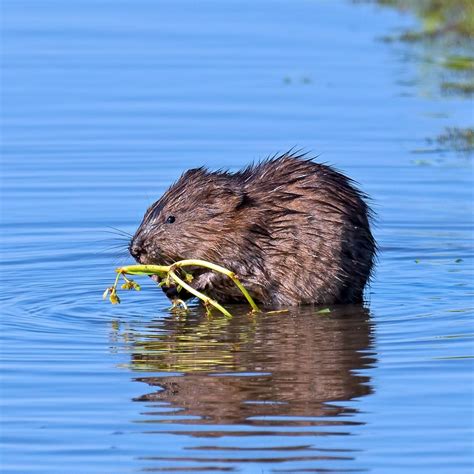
(294,231)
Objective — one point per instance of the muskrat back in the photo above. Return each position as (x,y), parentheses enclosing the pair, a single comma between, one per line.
(294,231)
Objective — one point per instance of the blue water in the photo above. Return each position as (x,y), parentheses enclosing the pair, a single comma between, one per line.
(104,104)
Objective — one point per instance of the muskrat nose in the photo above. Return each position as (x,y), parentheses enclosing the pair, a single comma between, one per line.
(136,247)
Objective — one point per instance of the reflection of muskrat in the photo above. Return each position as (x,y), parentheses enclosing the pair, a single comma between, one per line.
(294,231)
(296,365)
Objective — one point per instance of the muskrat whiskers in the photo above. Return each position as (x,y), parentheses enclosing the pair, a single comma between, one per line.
(122,251)
(117,231)
(117,245)
(115,239)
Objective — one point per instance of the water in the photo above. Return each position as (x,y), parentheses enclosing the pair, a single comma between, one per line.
(104,105)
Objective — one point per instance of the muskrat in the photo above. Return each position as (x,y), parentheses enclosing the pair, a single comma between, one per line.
(294,231)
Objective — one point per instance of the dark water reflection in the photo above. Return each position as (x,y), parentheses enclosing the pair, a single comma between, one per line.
(275,375)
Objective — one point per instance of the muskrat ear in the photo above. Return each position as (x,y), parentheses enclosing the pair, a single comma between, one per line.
(243,201)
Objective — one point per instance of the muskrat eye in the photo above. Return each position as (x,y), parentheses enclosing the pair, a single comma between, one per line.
(170,219)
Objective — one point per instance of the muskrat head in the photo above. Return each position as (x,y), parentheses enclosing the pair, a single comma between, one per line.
(192,219)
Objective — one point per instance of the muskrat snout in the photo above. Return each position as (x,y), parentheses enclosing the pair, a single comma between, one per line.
(137,248)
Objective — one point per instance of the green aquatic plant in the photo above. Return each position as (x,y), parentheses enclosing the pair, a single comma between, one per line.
(442,41)
(464,88)
(459,139)
(175,274)
(459,63)
(437,17)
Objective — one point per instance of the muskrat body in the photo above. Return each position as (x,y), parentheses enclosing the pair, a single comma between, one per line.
(294,231)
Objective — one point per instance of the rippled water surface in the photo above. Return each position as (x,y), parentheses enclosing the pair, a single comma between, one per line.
(104,105)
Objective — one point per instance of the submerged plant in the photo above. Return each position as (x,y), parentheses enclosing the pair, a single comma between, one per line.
(175,274)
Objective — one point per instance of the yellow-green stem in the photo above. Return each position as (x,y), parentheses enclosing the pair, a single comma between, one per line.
(218,268)
(198,294)
(165,270)
(241,287)
(116,281)
(143,269)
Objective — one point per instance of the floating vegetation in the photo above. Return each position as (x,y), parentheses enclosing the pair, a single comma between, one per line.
(459,63)
(295,80)
(446,32)
(438,18)
(459,88)
(443,44)
(278,311)
(175,274)
(422,162)
(457,260)
(459,139)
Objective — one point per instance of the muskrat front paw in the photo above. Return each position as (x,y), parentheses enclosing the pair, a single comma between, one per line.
(171,291)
